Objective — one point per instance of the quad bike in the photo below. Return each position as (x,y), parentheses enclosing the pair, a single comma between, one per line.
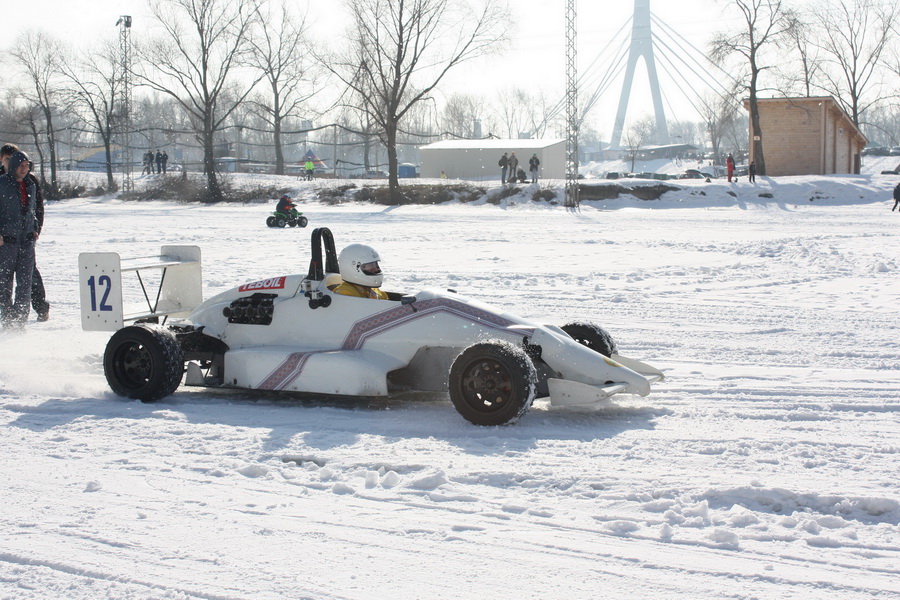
(293,219)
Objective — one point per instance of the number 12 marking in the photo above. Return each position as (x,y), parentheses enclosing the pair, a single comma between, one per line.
(104,282)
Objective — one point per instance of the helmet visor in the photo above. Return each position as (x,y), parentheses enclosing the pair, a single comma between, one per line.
(370,268)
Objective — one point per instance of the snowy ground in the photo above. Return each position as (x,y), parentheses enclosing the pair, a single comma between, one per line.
(765,466)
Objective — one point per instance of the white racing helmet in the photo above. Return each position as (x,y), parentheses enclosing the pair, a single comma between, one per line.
(359,265)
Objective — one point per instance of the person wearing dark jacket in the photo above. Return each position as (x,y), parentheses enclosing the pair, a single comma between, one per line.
(896,197)
(38,294)
(513,167)
(534,164)
(285,204)
(18,226)
(521,176)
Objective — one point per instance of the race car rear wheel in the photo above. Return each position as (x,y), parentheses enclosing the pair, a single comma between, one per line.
(592,336)
(144,362)
(492,383)
(270,221)
(280,222)
(292,223)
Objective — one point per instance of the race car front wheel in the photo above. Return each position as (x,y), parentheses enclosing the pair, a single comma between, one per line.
(492,383)
(592,336)
(302,221)
(144,362)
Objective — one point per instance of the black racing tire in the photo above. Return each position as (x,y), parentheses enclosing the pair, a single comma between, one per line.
(292,223)
(280,222)
(144,362)
(270,221)
(492,383)
(592,336)
(302,221)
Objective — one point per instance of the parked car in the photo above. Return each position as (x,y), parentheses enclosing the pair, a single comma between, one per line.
(875,151)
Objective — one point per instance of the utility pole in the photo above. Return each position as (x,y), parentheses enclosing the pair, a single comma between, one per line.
(641,46)
(124,24)
(571,109)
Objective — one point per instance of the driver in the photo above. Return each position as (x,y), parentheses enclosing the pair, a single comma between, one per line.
(285,204)
(360,271)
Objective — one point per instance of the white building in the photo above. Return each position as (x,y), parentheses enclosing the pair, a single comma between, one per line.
(476,160)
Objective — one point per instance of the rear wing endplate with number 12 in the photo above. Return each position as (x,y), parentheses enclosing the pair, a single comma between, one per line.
(170,284)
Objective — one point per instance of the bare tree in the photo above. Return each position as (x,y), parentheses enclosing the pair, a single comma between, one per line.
(279,50)
(460,113)
(197,61)
(39,55)
(684,132)
(855,36)
(94,88)
(525,113)
(638,134)
(800,35)
(511,105)
(765,23)
(719,114)
(402,49)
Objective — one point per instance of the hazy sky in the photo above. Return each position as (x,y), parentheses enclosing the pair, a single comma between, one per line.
(534,59)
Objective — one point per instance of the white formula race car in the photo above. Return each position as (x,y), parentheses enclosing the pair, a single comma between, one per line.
(293,333)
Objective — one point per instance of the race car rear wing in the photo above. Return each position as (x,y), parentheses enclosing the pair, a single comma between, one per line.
(169,285)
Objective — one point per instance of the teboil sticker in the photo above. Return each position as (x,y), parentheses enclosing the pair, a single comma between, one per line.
(275,283)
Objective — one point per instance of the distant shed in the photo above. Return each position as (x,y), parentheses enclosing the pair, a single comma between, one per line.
(807,136)
(476,160)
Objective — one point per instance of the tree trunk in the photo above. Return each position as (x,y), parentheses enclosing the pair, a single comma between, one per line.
(279,151)
(276,124)
(393,181)
(213,191)
(109,170)
(51,141)
(37,146)
(757,141)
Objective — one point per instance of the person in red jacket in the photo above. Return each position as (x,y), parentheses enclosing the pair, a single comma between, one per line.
(285,204)
(729,166)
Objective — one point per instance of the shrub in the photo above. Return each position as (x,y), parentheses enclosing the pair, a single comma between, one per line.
(544,194)
(505,192)
(193,188)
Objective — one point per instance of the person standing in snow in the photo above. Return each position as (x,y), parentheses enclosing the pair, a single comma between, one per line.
(533,163)
(513,167)
(729,166)
(38,293)
(896,197)
(751,172)
(503,164)
(18,225)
